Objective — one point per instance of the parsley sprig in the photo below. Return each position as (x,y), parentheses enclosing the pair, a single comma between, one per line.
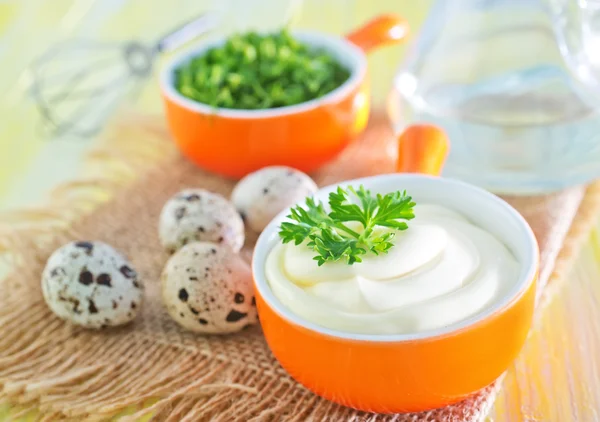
(330,237)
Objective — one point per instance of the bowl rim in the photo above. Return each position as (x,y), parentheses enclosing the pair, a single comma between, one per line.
(526,278)
(357,63)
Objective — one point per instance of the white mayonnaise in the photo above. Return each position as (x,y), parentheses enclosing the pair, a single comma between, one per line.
(441,270)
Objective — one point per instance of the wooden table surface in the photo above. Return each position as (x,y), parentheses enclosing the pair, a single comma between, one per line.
(557,376)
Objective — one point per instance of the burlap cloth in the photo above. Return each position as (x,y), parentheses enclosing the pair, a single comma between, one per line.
(152,367)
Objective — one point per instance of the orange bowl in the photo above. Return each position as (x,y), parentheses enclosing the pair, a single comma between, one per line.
(418,371)
(234,143)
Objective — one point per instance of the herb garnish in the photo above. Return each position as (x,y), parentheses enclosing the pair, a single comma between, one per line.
(254,71)
(332,239)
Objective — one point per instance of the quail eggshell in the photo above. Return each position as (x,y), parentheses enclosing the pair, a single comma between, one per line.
(92,285)
(199,215)
(261,195)
(207,288)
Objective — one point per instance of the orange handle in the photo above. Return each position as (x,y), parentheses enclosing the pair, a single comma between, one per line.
(384,29)
(422,148)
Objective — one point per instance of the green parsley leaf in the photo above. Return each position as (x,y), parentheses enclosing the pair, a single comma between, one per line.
(307,221)
(329,235)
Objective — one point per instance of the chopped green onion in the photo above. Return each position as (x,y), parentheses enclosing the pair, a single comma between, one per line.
(260,71)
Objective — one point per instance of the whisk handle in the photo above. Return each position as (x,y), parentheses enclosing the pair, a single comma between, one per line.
(186,32)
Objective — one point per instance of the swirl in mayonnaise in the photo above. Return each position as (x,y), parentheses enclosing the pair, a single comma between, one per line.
(441,270)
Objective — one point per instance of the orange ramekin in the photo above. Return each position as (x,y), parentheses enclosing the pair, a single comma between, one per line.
(234,143)
(408,372)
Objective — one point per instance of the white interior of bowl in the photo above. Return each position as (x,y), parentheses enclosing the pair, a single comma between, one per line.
(342,50)
(481,207)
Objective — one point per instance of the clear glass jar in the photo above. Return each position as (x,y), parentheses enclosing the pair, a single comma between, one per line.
(491,73)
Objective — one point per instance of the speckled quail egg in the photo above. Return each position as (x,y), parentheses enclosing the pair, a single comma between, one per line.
(199,215)
(92,285)
(207,288)
(261,195)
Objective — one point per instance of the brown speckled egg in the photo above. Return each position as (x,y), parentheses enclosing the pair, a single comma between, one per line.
(92,285)
(207,288)
(199,215)
(261,195)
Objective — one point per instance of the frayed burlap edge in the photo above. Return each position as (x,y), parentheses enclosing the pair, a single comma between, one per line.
(52,371)
(78,377)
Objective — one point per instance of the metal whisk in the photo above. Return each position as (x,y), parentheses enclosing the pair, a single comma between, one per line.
(76,84)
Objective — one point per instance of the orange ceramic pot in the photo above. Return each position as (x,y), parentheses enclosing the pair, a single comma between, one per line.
(305,136)
(419,371)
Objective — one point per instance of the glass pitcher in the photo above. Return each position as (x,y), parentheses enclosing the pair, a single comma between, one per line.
(514,85)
